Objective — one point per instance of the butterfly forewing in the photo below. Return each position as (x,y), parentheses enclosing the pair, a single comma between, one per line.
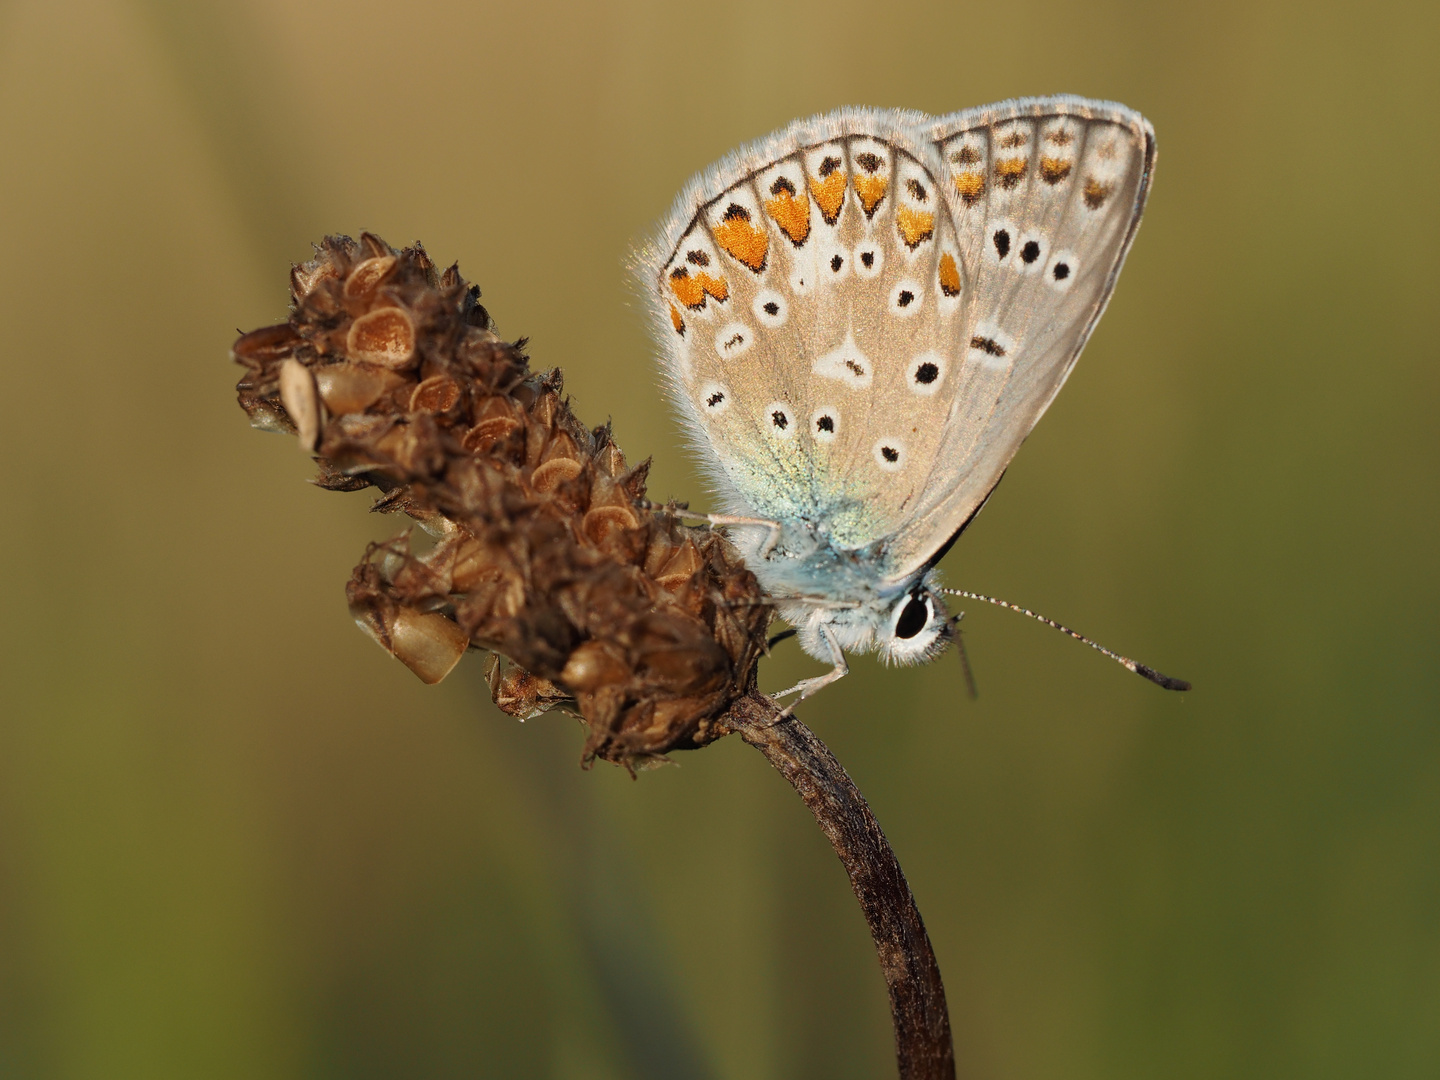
(1046,196)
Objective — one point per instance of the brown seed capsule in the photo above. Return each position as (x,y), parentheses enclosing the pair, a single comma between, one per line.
(385,336)
(601,522)
(367,276)
(679,567)
(304,277)
(595,664)
(266,344)
(265,413)
(349,388)
(428,644)
(611,459)
(297,392)
(437,394)
(545,409)
(412,446)
(484,435)
(553,473)
(522,695)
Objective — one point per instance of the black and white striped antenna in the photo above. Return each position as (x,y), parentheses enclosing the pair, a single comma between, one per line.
(1124,661)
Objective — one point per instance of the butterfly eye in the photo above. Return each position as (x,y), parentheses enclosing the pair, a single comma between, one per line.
(913,618)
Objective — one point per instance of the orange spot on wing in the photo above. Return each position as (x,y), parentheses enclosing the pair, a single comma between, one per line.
(791,214)
(676,321)
(743,240)
(1096,193)
(829,195)
(949,276)
(691,291)
(871,190)
(915,226)
(1053,170)
(1010,171)
(970,186)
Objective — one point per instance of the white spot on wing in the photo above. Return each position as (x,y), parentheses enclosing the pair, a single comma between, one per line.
(779,420)
(877,259)
(906,299)
(890,454)
(834,263)
(1060,271)
(1041,252)
(847,364)
(765,301)
(927,373)
(822,431)
(732,340)
(990,347)
(714,398)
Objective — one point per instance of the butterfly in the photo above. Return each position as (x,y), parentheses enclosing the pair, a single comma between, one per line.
(862,316)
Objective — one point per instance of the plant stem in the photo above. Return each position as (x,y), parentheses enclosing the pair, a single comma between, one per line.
(923,1045)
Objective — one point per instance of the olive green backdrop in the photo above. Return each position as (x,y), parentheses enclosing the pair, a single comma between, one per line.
(236,840)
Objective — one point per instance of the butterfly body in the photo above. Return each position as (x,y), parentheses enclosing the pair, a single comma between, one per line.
(863,315)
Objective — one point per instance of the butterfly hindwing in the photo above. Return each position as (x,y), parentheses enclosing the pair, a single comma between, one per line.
(813,309)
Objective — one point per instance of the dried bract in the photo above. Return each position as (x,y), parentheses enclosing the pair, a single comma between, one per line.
(547,553)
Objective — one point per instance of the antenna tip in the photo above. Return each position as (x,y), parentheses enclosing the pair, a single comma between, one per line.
(1161,680)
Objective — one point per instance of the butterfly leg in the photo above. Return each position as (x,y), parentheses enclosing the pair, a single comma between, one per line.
(771,539)
(809,687)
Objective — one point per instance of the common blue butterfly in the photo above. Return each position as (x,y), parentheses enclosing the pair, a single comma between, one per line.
(863,315)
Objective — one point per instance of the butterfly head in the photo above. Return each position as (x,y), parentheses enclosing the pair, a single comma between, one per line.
(919,627)
(909,628)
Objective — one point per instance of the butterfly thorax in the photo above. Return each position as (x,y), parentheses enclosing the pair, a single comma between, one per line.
(806,562)
(820,586)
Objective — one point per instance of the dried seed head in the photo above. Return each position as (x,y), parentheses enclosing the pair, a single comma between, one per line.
(547,552)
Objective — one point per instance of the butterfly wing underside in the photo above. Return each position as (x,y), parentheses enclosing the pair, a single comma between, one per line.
(808,295)
(1046,196)
(864,315)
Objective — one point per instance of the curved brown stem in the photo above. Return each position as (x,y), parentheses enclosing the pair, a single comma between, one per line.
(923,1045)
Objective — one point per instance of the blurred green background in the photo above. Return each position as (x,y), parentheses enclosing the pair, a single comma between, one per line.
(236,840)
